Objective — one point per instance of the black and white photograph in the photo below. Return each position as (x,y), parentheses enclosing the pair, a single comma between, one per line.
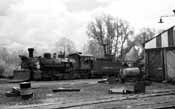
(87,54)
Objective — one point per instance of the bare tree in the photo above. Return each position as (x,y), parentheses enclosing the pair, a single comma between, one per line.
(145,35)
(65,45)
(110,33)
(92,47)
(123,32)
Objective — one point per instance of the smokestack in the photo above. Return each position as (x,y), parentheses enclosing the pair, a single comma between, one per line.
(31,50)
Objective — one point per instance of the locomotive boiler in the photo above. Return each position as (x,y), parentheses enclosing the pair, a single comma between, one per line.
(42,67)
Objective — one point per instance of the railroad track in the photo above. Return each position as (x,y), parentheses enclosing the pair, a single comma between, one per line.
(132,102)
(156,100)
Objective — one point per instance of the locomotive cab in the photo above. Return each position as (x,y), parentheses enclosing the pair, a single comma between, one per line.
(81,61)
(82,64)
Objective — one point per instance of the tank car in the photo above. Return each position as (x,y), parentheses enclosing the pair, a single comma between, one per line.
(131,71)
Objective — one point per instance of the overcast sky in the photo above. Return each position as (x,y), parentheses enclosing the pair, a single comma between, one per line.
(39,23)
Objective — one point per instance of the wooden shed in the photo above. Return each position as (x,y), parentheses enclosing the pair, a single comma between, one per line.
(160,56)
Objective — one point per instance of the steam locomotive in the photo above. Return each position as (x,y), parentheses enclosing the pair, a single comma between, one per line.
(73,66)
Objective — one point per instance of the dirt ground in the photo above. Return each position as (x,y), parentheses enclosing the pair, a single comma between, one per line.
(90,93)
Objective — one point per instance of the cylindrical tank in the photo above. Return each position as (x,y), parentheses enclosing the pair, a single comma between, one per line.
(31,50)
(134,71)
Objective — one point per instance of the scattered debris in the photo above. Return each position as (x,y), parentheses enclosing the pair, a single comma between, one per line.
(13,93)
(66,89)
(16,90)
(109,80)
(139,87)
(24,91)
(102,81)
(16,81)
(122,90)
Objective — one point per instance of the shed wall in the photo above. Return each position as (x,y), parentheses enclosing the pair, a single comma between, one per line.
(164,41)
(160,64)
(155,65)
(160,56)
(170,57)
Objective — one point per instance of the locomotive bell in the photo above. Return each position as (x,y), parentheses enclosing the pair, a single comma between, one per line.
(31,50)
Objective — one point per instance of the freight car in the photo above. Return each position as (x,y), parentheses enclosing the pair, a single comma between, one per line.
(106,67)
(74,66)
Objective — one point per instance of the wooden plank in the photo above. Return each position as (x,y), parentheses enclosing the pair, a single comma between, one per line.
(66,90)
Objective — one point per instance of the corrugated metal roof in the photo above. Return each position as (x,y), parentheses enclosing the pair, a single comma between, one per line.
(162,40)
(159,34)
